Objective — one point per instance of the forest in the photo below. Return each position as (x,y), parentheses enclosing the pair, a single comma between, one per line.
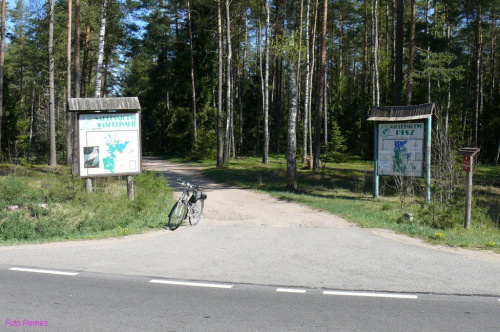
(220,79)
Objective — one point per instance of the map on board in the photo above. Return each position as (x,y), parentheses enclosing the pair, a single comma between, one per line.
(400,149)
(111,144)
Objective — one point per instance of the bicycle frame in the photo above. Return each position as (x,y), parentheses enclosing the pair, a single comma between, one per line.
(192,198)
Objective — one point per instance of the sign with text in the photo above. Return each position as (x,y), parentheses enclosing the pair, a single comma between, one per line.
(109,144)
(466,163)
(401,149)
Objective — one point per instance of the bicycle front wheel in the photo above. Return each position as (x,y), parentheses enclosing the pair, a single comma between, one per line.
(197,211)
(177,215)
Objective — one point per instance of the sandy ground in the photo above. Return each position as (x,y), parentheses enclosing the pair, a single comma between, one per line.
(234,206)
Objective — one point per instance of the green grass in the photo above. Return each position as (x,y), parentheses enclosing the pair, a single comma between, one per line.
(72,214)
(346,190)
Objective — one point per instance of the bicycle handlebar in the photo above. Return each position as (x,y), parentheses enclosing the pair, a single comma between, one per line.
(189,185)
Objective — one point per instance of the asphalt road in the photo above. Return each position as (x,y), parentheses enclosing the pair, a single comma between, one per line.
(99,302)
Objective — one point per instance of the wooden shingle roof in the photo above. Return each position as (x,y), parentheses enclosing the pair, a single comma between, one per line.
(401,113)
(103,104)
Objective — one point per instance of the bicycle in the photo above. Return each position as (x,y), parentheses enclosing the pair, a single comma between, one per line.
(190,205)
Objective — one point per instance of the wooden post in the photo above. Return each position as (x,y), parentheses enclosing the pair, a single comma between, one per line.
(130,187)
(375,163)
(468,198)
(88,185)
(467,165)
(428,144)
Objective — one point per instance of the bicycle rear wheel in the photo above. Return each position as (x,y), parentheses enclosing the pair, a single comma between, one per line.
(177,215)
(197,211)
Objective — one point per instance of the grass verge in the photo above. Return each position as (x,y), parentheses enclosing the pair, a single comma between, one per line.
(53,205)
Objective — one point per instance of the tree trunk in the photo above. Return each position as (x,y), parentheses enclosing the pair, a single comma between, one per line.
(278,72)
(341,55)
(498,154)
(69,117)
(75,165)
(325,109)
(428,35)
(366,57)
(306,94)
(32,118)
(320,91)
(242,86)
(220,153)
(85,65)
(2,65)
(376,84)
(291,66)
(313,64)
(411,54)
(193,87)
(398,79)
(52,112)
(265,155)
(478,57)
(100,51)
(229,101)
(291,169)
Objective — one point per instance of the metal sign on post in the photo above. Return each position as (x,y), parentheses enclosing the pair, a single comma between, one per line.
(466,164)
(468,161)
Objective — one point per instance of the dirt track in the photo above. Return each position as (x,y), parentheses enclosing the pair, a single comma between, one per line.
(233,206)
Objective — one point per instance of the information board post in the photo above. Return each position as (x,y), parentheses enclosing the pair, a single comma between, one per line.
(467,165)
(428,161)
(375,164)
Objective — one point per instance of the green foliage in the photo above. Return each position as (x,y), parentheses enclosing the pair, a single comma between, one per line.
(72,213)
(38,211)
(17,227)
(17,191)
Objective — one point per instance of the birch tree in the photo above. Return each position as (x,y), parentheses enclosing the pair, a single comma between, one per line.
(220,152)
(229,99)
(100,51)
(291,151)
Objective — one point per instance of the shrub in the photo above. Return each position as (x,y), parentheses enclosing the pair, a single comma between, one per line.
(16,227)
(38,211)
(48,228)
(16,191)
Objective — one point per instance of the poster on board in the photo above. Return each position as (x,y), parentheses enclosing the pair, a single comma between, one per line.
(401,149)
(110,144)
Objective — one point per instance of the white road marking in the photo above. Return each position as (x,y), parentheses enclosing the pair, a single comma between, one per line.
(193,284)
(44,271)
(291,290)
(383,295)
